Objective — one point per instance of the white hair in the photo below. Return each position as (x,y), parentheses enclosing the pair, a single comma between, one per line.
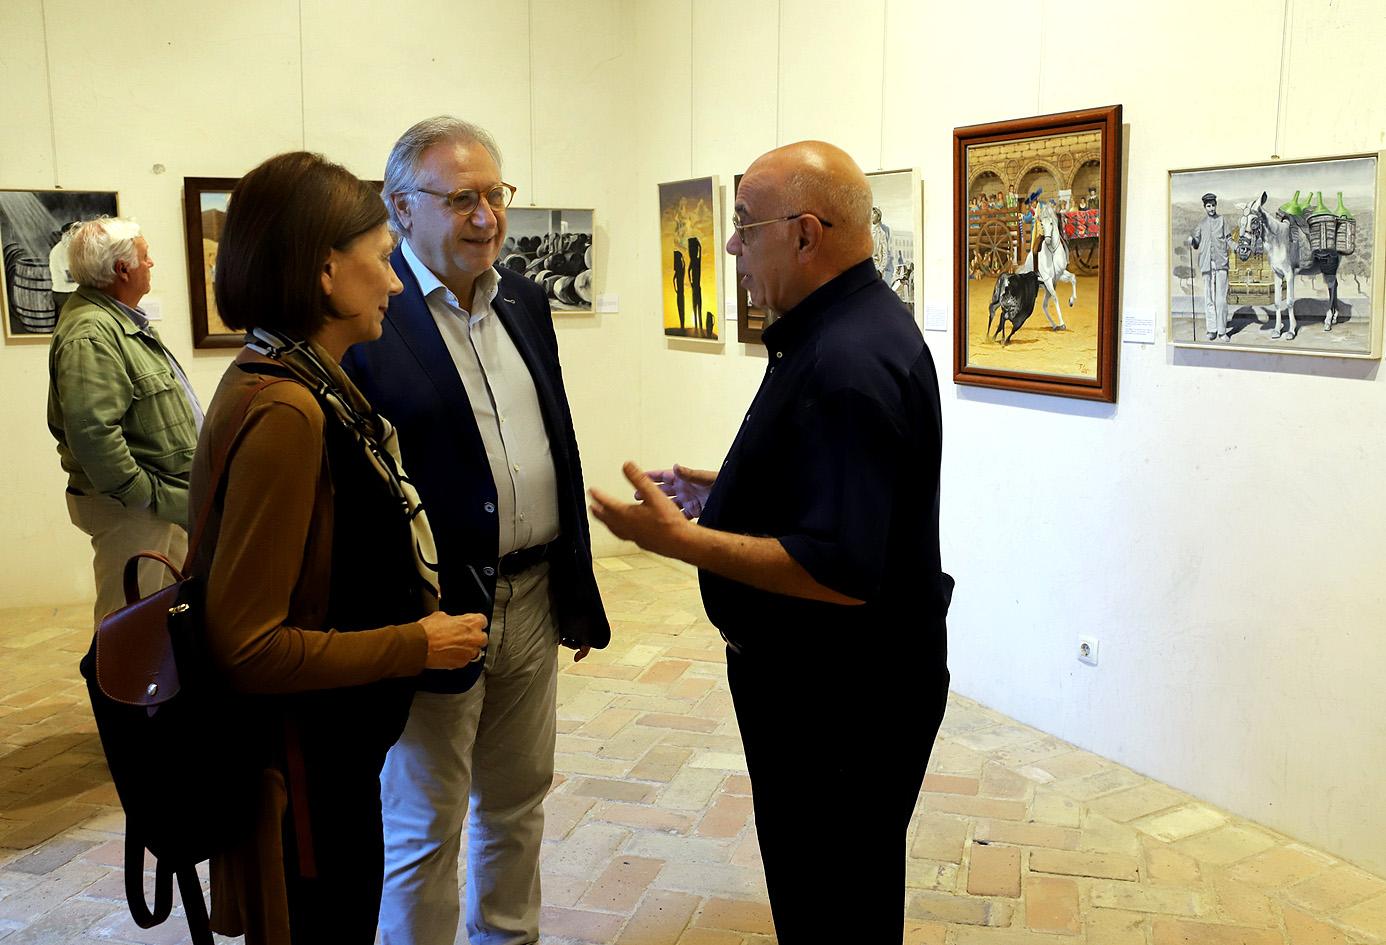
(95,246)
(402,167)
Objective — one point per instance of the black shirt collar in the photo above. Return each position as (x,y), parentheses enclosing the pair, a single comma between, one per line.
(795,324)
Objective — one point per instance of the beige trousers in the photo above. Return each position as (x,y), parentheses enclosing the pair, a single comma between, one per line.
(492,745)
(116,534)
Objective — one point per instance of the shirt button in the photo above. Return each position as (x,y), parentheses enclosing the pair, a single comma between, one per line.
(516,467)
(748,418)
(779,354)
(489,571)
(772,370)
(490,508)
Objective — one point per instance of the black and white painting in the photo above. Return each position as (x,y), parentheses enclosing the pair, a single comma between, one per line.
(1280,257)
(554,248)
(895,226)
(36,279)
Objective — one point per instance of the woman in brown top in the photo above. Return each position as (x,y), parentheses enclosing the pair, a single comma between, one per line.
(321,585)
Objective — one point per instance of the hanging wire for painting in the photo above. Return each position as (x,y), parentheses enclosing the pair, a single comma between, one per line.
(1284,69)
(48,73)
(302,86)
(779,84)
(533,189)
(885,34)
(692,90)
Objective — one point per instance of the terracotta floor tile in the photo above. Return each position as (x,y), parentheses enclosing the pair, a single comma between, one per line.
(650,834)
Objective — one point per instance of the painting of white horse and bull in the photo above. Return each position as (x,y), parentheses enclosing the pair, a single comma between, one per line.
(1037,221)
(1280,257)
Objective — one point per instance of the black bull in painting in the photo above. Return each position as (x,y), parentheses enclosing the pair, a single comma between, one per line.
(1014,295)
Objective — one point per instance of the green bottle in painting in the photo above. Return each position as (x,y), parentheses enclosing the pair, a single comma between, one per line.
(1292,207)
(1318,195)
(1342,210)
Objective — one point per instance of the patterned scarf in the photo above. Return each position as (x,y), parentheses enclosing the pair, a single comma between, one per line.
(375,435)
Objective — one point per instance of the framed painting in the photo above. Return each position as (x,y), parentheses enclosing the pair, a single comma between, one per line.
(750,318)
(896,223)
(690,252)
(1280,257)
(1036,225)
(554,248)
(204,214)
(34,281)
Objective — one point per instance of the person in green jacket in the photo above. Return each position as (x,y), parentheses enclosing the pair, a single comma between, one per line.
(124,415)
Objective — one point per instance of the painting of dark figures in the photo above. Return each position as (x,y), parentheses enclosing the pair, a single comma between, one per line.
(690,250)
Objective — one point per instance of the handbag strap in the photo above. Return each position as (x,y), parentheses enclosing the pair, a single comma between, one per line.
(145,917)
(132,573)
(218,468)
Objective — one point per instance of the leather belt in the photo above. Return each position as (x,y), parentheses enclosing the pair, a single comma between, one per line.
(525,558)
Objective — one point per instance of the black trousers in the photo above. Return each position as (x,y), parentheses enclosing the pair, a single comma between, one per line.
(836,759)
(344,737)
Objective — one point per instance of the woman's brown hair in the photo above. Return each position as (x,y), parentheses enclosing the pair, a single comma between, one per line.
(283,220)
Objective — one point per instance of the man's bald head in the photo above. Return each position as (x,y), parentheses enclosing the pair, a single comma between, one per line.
(821,181)
(821,178)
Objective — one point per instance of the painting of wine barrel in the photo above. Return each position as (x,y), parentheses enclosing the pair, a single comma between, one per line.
(31,225)
(554,249)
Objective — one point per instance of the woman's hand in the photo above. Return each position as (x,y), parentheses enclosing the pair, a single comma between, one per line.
(453,642)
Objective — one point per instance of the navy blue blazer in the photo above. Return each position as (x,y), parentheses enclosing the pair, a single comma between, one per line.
(410,378)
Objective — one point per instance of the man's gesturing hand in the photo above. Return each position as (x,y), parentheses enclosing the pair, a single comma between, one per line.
(654,523)
(687,487)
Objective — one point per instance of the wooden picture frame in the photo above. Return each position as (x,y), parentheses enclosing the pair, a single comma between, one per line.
(34,281)
(1006,175)
(204,214)
(1247,308)
(750,319)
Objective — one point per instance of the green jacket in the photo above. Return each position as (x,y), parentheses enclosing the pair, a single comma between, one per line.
(122,420)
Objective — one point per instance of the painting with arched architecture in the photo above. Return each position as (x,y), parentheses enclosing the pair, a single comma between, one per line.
(1037,204)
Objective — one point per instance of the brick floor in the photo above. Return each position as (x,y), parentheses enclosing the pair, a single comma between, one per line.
(1019,839)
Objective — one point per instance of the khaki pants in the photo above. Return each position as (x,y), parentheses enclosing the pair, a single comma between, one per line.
(117,533)
(492,744)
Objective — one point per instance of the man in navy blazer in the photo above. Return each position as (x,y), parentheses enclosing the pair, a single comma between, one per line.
(467,370)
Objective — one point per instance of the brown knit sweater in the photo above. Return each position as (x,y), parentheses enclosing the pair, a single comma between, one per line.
(270,552)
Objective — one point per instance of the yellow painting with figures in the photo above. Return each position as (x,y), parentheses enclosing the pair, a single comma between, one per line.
(690,248)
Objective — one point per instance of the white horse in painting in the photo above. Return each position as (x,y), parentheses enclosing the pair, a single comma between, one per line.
(1052,266)
(1288,257)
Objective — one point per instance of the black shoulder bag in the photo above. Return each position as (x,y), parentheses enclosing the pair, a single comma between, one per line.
(178,749)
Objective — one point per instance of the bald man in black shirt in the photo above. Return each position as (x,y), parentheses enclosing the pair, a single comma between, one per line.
(818,552)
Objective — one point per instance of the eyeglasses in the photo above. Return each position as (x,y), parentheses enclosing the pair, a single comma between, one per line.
(741,228)
(463,202)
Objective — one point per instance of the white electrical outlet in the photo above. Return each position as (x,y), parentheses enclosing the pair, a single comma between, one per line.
(1087,650)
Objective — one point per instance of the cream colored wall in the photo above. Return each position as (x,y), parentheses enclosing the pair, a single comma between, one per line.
(1217,529)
